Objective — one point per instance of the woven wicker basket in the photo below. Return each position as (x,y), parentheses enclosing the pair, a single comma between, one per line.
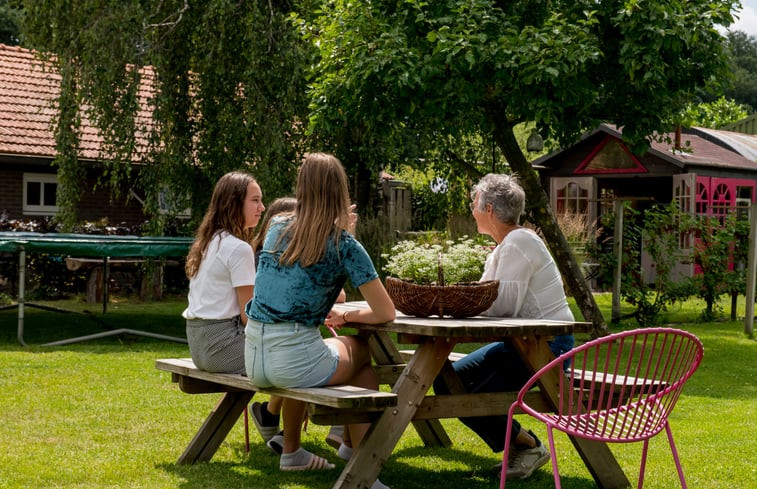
(458,301)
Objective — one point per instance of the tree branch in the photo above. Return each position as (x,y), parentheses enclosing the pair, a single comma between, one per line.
(168,22)
(467,167)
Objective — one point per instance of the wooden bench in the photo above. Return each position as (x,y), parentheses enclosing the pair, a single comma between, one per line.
(238,391)
(98,283)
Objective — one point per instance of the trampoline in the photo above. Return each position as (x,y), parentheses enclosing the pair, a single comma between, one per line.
(87,246)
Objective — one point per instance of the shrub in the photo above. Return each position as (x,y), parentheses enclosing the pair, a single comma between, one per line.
(449,262)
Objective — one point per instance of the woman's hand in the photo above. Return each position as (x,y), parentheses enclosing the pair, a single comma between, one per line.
(353,219)
(381,308)
(336,319)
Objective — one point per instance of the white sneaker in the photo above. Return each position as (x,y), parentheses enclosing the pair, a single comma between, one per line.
(522,463)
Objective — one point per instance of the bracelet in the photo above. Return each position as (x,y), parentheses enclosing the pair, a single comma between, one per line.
(344,316)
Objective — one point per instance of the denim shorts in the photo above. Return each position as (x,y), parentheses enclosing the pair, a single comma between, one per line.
(287,355)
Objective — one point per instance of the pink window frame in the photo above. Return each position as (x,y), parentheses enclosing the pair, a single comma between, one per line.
(708,186)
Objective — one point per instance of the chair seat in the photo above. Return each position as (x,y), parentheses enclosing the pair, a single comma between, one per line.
(621,425)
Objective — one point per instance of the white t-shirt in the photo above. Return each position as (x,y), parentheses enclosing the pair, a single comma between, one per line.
(228,262)
(530,285)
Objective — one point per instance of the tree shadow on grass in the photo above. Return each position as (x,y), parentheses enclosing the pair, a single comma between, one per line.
(464,468)
(257,469)
(437,467)
(43,326)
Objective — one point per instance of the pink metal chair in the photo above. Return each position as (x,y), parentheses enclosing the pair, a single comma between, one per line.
(618,388)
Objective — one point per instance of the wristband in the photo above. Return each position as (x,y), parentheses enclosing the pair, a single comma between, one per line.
(344,316)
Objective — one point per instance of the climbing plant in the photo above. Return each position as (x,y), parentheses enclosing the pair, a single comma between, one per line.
(226,90)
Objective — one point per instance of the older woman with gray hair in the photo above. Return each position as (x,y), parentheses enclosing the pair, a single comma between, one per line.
(530,286)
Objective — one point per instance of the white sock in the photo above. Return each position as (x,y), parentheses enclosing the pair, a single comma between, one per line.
(344,452)
(379,485)
(300,457)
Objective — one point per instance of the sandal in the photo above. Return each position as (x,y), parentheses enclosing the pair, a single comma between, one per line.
(335,438)
(315,463)
(276,443)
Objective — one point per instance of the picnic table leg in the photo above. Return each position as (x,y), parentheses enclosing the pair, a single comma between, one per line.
(417,377)
(385,352)
(215,428)
(597,456)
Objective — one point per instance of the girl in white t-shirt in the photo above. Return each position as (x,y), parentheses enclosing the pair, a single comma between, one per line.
(221,271)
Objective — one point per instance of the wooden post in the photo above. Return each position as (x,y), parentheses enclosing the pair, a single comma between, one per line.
(106,279)
(617,249)
(21,292)
(751,272)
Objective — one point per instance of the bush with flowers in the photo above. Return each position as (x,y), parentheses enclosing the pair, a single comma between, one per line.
(450,262)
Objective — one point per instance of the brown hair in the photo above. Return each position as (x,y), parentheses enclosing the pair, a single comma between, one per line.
(279,206)
(225,213)
(323,209)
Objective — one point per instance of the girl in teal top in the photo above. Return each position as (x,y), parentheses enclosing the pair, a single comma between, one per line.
(304,263)
(294,293)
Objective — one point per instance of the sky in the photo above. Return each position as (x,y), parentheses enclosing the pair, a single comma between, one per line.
(747,18)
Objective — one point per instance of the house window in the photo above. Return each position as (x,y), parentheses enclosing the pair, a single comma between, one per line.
(720,196)
(744,199)
(722,201)
(606,199)
(40,193)
(572,200)
(683,193)
(703,196)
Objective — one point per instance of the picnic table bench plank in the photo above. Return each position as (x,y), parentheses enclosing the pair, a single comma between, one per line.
(336,396)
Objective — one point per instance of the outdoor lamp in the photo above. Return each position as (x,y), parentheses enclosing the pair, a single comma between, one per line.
(535,142)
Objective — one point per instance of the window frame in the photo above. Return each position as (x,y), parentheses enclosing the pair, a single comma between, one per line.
(43,179)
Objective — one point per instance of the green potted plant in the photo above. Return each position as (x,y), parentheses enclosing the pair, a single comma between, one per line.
(441,279)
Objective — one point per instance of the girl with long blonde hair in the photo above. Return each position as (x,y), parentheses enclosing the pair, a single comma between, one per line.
(305,261)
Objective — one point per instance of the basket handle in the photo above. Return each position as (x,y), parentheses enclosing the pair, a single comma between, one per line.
(440,271)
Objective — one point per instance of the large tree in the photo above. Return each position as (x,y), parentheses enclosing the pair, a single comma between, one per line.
(743,54)
(10,17)
(434,71)
(228,92)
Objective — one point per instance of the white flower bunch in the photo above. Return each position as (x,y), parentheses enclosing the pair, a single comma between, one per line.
(461,261)
(439,185)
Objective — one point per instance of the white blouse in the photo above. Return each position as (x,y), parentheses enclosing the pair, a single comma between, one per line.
(227,263)
(530,285)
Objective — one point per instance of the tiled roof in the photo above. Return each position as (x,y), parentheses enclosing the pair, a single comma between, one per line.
(28,93)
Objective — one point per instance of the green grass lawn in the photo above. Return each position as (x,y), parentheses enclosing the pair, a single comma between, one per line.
(99,415)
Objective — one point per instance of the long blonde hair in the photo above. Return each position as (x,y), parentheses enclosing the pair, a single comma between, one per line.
(225,213)
(323,202)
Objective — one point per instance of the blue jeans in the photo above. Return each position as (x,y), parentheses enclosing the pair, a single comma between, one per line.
(495,367)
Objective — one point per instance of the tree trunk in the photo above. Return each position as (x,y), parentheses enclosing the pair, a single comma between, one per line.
(537,203)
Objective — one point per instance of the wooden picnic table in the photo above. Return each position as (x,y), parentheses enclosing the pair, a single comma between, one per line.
(435,339)
(411,375)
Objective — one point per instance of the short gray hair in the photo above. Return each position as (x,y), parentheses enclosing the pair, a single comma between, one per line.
(504,193)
